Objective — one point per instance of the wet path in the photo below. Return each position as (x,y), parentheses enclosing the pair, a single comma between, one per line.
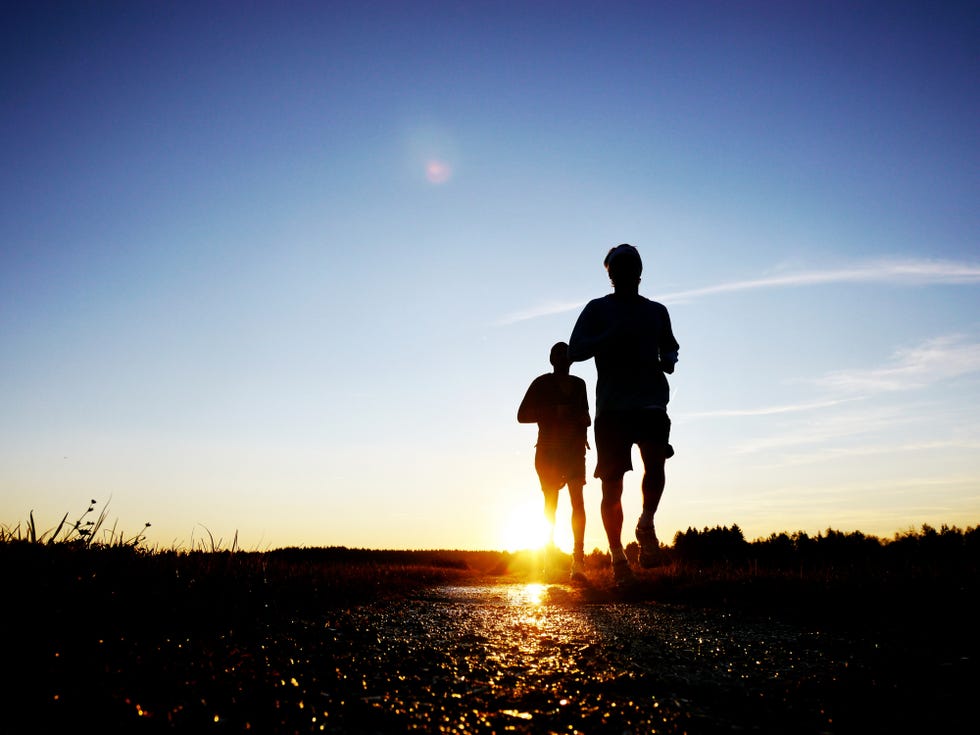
(535,658)
(502,658)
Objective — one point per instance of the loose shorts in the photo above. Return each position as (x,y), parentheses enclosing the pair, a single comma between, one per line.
(617,431)
(560,465)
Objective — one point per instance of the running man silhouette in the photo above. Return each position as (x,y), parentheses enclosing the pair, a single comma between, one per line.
(558,403)
(631,339)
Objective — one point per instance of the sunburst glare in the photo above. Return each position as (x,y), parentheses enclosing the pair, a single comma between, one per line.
(524,528)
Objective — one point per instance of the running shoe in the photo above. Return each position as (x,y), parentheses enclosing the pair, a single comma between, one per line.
(577,573)
(622,574)
(649,547)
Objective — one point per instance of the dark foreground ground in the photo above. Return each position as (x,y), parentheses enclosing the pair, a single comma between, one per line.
(121,641)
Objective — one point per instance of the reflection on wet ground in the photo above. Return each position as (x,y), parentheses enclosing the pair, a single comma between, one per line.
(522,658)
(532,658)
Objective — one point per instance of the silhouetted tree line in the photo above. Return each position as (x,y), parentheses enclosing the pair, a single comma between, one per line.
(927,547)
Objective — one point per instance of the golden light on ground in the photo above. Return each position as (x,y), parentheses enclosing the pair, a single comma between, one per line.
(534,593)
(527,594)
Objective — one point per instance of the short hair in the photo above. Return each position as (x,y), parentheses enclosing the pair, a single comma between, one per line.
(558,350)
(623,263)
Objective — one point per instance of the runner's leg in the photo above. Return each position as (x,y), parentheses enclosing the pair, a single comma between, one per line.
(612,510)
(578,515)
(654,456)
(654,477)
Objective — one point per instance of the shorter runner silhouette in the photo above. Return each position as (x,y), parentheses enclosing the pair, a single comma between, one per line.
(558,403)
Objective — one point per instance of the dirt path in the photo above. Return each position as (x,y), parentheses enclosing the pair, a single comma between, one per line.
(502,657)
(536,659)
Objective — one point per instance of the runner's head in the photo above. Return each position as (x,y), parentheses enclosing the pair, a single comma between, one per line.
(559,356)
(624,265)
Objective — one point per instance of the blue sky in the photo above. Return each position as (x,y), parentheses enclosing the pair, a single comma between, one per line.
(288,269)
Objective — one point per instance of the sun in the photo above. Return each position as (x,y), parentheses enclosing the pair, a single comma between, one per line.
(524,528)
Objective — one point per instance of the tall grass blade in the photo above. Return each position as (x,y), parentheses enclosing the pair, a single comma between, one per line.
(112,536)
(61,525)
(97,525)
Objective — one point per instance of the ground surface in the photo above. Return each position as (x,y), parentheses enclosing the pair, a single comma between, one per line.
(506,656)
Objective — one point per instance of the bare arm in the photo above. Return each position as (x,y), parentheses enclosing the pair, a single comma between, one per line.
(668,347)
(586,337)
(528,412)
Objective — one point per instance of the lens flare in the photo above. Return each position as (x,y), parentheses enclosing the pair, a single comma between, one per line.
(438,172)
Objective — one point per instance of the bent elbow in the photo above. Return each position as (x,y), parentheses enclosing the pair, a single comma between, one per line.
(577,353)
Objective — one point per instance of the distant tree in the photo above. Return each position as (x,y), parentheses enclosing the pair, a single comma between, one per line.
(947,548)
(720,543)
(839,548)
(776,550)
(931,547)
(971,542)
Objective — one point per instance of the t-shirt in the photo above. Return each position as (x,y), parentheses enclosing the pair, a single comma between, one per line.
(631,340)
(559,405)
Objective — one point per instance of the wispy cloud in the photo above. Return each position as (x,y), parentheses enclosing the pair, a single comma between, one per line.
(935,360)
(866,428)
(899,272)
(764,410)
(833,454)
(545,309)
(907,272)
(923,365)
(830,427)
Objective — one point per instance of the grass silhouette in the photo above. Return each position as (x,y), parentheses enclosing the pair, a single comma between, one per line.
(795,572)
(99,620)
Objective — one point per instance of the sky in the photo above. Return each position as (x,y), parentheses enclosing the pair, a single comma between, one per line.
(285,270)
